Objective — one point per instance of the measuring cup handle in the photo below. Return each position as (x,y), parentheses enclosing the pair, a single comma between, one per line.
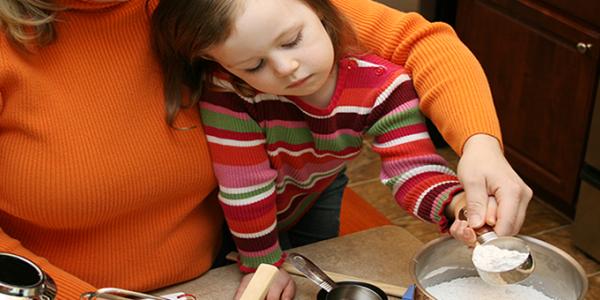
(311,271)
(462,215)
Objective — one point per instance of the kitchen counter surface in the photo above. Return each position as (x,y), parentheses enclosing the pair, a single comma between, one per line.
(381,254)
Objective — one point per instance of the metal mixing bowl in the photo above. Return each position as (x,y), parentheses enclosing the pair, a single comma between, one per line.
(557,274)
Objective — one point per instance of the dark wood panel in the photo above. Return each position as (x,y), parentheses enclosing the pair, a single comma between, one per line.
(585,10)
(542,85)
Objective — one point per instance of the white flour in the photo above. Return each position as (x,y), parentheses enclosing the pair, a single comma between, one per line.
(493,259)
(473,288)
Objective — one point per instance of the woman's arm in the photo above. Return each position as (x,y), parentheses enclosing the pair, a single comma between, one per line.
(453,89)
(68,286)
(455,95)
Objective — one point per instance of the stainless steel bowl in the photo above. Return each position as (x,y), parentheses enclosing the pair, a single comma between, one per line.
(556,274)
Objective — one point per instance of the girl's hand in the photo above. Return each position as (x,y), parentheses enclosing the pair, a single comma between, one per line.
(282,287)
(459,229)
(484,172)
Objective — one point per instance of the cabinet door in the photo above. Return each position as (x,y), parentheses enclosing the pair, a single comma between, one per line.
(543,86)
(584,10)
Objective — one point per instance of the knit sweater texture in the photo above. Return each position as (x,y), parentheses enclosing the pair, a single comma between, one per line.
(273,155)
(99,191)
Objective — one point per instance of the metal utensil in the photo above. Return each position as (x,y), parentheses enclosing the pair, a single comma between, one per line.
(111,293)
(487,236)
(21,278)
(343,290)
(311,271)
(338,278)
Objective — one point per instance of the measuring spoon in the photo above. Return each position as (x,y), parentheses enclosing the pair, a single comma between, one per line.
(487,237)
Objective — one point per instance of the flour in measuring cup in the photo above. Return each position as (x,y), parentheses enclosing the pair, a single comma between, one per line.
(474,288)
(493,259)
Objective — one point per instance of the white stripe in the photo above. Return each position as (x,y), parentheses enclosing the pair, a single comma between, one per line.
(231,190)
(247,201)
(388,90)
(403,140)
(422,196)
(235,143)
(255,234)
(416,171)
(284,182)
(310,150)
(290,203)
(363,63)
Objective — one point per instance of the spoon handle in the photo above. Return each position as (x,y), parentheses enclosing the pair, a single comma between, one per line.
(484,233)
(311,271)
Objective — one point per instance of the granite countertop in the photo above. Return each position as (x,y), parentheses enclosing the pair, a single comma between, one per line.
(381,254)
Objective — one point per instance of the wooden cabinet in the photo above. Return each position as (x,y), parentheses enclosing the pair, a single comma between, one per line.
(541,59)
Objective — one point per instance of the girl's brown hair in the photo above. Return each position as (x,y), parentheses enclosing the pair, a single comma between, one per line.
(182,30)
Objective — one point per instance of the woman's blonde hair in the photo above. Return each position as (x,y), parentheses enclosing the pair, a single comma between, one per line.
(28,22)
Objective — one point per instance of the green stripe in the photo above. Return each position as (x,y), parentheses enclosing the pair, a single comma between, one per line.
(437,206)
(254,262)
(292,136)
(227,122)
(297,136)
(339,144)
(394,121)
(283,224)
(312,179)
(248,194)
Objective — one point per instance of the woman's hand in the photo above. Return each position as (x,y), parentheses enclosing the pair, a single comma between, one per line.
(484,173)
(282,287)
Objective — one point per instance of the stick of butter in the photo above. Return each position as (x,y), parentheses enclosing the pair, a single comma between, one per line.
(259,284)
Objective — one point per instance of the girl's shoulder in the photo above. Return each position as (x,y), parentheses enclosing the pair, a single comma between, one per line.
(370,60)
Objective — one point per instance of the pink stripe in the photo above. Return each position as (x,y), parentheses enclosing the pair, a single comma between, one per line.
(335,135)
(306,170)
(225,111)
(405,106)
(243,176)
(286,124)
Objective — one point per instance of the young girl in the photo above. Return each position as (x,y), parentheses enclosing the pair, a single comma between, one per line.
(286,101)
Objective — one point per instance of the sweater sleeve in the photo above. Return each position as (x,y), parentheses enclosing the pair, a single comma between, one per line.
(447,77)
(246,179)
(420,179)
(68,286)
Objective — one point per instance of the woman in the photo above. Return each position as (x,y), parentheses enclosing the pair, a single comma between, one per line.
(100,191)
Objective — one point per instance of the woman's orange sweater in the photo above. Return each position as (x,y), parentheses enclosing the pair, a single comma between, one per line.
(99,191)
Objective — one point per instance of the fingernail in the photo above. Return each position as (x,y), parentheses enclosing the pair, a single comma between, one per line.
(474,220)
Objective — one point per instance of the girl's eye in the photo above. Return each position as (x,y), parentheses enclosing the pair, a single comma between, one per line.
(295,42)
(257,68)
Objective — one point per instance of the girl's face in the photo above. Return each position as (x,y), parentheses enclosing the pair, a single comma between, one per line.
(278,47)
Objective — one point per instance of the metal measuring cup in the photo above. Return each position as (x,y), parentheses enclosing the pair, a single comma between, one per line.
(332,290)
(487,236)
(22,279)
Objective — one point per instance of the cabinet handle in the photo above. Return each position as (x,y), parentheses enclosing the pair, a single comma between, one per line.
(583,47)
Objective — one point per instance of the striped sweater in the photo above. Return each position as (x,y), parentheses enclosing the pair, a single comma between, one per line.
(274,155)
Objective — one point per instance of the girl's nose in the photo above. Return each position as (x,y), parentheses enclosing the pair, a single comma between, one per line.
(286,67)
